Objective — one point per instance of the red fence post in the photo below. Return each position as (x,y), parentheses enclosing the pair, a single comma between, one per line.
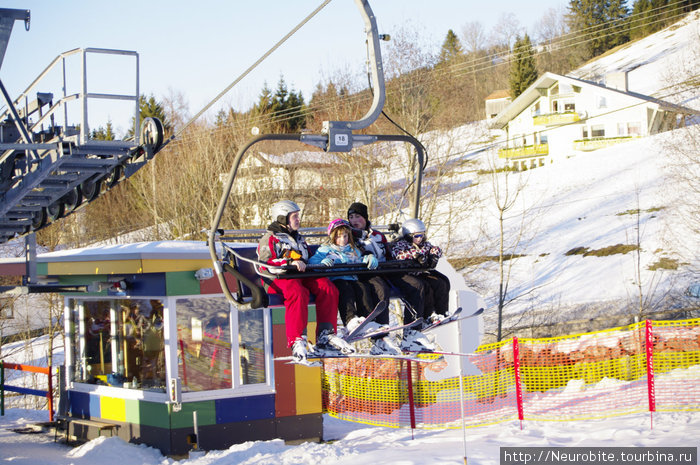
(518,387)
(411,406)
(49,395)
(650,368)
(2,388)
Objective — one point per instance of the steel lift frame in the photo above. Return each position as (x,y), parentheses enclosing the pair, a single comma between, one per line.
(49,170)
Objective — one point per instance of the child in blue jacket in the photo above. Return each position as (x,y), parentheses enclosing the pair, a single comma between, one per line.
(356,297)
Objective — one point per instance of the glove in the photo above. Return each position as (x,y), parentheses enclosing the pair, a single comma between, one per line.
(327,261)
(422,259)
(433,261)
(371,261)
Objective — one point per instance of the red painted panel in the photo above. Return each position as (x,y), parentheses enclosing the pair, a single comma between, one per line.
(285,400)
(13,269)
(212,286)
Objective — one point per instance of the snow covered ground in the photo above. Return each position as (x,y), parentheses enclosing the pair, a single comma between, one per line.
(352,444)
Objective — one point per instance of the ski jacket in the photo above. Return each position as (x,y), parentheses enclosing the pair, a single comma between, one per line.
(371,241)
(344,254)
(405,250)
(280,246)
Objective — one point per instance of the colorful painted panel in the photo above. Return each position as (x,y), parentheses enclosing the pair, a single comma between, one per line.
(247,408)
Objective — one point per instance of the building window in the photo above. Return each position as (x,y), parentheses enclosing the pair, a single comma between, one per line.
(629,129)
(634,129)
(584,131)
(563,106)
(601,102)
(598,130)
(119,342)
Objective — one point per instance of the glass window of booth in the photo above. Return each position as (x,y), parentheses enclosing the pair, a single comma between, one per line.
(119,342)
(251,346)
(204,343)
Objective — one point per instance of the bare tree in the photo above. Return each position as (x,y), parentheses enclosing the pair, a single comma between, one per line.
(506,30)
(550,34)
(516,222)
(474,37)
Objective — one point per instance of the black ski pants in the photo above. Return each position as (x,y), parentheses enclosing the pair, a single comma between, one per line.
(425,293)
(382,291)
(355,299)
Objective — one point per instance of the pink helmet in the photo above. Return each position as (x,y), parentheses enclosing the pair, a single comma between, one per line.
(337,223)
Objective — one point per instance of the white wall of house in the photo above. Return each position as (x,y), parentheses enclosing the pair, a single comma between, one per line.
(603,113)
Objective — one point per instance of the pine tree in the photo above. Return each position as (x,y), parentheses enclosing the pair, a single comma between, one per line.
(639,22)
(618,23)
(601,24)
(523,71)
(451,47)
(103,133)
(285,109)
(150,107)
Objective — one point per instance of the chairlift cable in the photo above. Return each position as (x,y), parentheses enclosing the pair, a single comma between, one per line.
(247,71)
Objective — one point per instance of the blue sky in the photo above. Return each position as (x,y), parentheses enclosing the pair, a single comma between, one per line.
(197,49)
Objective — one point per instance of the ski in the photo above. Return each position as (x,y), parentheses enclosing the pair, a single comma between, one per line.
(378,309)
(315,360)
(384,331)
(454,317)
(441,352)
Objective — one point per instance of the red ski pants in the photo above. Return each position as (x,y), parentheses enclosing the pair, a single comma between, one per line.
(296,294)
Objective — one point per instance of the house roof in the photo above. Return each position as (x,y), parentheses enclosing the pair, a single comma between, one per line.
(498,94)
(548,79)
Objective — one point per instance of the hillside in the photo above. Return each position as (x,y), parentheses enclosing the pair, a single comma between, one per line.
(589,202)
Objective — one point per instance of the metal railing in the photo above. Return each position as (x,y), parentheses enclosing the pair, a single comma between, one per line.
(23,390)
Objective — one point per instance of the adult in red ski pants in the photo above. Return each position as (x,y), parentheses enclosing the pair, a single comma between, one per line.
(296,294)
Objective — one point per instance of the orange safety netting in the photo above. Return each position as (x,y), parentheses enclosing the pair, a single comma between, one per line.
(647,366)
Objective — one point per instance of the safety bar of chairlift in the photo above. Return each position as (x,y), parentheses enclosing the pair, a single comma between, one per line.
(341,269)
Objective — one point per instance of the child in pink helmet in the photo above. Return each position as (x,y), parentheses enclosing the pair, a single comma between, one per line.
(355,297)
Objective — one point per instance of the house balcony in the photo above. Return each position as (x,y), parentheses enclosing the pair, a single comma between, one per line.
(588,145)
(556,118)
(525,151)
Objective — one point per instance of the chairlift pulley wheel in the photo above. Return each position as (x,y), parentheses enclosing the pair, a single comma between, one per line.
(39,219)
(72,199)
(91,189)
(113,177)
(56,210)
(152,133)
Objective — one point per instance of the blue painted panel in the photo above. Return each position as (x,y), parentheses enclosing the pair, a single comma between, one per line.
(248,408)
(79,403)
(95,410)
(148,284)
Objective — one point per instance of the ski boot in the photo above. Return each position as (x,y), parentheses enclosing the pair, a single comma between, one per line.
(329,342)
(300,349)
(384,346)
(415,341)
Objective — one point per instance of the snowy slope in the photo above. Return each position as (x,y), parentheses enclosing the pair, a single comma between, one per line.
(655,63)
(582,201)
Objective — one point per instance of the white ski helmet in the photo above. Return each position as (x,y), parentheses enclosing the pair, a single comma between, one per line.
(280,211)
(412,226)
